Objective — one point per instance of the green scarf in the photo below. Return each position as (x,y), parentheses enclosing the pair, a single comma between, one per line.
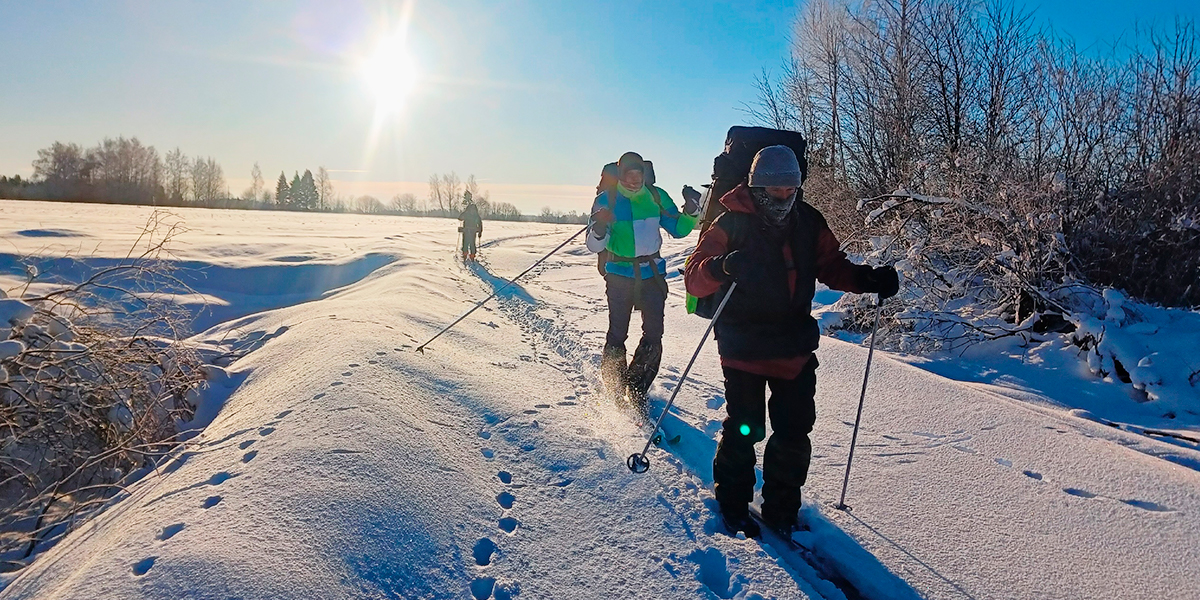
(628,193)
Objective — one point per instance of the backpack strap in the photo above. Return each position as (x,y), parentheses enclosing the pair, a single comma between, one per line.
(658,201)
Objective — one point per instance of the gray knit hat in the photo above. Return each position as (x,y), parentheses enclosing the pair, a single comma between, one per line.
(775,166)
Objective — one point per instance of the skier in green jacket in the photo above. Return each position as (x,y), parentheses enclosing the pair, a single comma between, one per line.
(625,223)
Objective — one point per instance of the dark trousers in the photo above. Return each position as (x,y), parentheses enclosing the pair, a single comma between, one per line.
(468,242)
(644,367)
(793,412)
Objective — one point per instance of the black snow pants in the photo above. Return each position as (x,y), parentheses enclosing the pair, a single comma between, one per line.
(793,412)
(640,372)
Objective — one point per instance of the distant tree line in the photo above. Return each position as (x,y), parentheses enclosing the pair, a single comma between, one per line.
(994,149)
(124,171)
(120,171)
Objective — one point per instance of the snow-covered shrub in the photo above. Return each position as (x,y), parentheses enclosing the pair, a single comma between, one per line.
(94,384)
(970,271)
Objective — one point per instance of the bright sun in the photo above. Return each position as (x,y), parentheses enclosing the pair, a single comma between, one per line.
(390,73)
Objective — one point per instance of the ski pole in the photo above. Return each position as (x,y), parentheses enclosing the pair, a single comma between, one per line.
(841,505)
(421,348)
(638,463)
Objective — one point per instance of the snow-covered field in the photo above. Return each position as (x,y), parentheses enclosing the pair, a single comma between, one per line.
(346,465)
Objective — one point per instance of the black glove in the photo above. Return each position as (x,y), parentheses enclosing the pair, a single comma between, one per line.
(883,281)
(729,266)
(691,200)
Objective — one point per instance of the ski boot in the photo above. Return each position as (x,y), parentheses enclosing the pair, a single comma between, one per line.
(736,517)
(783,522)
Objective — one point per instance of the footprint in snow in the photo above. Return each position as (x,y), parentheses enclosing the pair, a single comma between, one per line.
(169,532)
(380,353)
(567,403)
(143,566)
(509,524)
(505,499)
(348,374)
(481,589)
(483,551)
(1032,475)
(337,383)
(211,501)
(353,365)
(266,431)
(531,412)
(283,414)
(249,456)
(1078,492)
(505,476)
(319,396)
(219,478)
(487,452)
(541,406)
(1150,506)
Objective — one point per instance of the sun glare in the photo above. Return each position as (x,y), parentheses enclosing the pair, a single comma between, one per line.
(390,74)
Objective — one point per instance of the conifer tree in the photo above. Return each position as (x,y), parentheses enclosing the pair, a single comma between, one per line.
(281,190)
(307,197)
(292,198)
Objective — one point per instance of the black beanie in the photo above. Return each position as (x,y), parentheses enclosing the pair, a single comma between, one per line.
(630,161)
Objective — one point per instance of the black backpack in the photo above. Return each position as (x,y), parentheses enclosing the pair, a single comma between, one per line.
(730,168)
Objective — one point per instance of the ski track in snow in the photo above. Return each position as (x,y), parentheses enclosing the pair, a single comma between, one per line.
(535,469)
(581,364)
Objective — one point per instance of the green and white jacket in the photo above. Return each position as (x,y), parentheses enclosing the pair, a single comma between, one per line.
(635,232)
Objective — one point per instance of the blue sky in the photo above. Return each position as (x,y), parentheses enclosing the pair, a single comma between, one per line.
(530,96)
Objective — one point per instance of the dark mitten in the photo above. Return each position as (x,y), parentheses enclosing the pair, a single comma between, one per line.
(691,200)
(883,281)
(735,264)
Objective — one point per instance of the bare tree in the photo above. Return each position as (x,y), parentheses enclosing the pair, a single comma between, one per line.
(324,188)
(437,200)
(368,205)
(405,204)
(178,176)
(208,182)
(256,184)
(63,168)
(452,190)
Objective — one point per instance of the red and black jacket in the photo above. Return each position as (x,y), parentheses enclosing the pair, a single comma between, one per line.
(766,326)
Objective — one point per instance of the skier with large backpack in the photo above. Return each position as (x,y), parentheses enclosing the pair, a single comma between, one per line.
(775,246)
(626,217)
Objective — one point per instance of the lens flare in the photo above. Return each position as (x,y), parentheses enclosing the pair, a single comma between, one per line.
(390,73)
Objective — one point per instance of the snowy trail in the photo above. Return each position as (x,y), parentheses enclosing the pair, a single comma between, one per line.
(581,364)
(346,465)
(961,496)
